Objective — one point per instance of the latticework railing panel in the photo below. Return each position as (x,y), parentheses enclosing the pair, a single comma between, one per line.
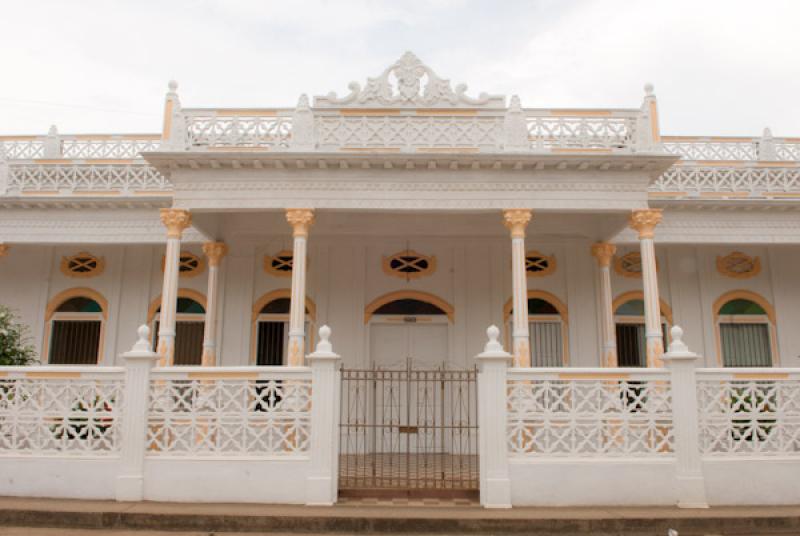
(566,132)
(746,149)
(85,178)
(757,416)
(567,416)
(754,180)
(27,148)
(246,131)
(226,416)
(107,148)
(71,414)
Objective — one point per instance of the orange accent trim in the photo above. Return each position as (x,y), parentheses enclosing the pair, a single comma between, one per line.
(76,292)
(182,293)
(281,293)
(592,376)
(541,295)
(760,376)
(378,302)
(625,297)
(581,113)
(744,295)
(46,374)
(211,375)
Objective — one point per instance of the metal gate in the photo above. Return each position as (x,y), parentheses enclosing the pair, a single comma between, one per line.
(409,432)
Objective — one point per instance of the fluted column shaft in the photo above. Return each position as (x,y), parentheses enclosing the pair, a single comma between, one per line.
(516,220)
(645,221)
(300,220)
(214,252)
(175,220)
(604,252)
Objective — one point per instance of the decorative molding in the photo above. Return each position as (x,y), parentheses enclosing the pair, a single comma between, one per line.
(426,297)
(550,298)
(630,264)
(409,264)
(538,264)
(175,220)
(281,293)
(214,252)
(742,294)
(408,82)
(301,220)
(738,265)
(189,265)
(516,220)
(604,253)
(625,297)
(192,294)
(76,292)
(82,265)
(645,221)
(280,264)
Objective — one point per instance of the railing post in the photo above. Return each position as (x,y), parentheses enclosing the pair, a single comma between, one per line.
(4,171)
(173,133)
(322,484)
(766,147)
(515,131)
(303,138)
(690,481)
(52,144)
(493,363)
(138,363)
(648,136)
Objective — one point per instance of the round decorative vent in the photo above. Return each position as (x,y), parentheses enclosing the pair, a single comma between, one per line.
(409,264)
(738,265)
(538,264)
(82,265)
(189,265)
(280,264)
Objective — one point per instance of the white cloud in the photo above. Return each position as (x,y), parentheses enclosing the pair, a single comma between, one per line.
(719,66)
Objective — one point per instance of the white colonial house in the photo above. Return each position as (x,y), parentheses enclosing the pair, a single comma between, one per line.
(407,216)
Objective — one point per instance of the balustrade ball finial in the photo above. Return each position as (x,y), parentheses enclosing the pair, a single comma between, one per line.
(143,344)
(53,131)
(493,332)
(767,132)
(324,344)
(677,344)
(649,89)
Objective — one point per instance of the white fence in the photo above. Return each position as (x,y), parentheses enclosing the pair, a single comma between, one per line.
(244,434)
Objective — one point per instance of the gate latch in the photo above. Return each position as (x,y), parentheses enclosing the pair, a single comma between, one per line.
(408,429)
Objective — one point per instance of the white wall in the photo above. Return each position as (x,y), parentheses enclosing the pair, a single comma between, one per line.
(473,275)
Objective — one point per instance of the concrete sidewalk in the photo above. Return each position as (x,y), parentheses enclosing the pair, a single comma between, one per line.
(345,519)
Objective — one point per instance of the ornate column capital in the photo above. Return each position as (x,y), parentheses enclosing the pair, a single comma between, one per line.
(645,221)
(300,219)
(603,252)
(214,251)
(516,220)
(176,220)
(4,249)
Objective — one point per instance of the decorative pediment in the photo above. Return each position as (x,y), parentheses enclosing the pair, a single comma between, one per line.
(408,83)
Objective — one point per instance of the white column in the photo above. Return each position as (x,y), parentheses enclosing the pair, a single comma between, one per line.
(175,220)
(604,252)
(214,252)
(322,484)
(493,364)
(645,221)
(301,220)
(683,381)
(516,220)
(138,363)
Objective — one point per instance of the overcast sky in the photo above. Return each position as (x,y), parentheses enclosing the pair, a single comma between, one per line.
(720,67)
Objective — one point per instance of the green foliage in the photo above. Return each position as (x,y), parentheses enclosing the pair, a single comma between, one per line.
(15,346)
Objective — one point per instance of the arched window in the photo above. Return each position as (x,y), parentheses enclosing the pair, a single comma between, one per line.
(189,325)
(271,323)
(630,329)
(546,329)
(75,321)
(745,330)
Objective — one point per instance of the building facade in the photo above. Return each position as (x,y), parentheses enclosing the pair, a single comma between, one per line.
(425,211)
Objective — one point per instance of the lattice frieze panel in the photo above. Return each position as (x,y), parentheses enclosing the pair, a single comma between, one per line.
(229,417)
(548,132)
(107,148)
(409,132)
(85,178)
(23,149)
(267,132)
(788,151)
(63,416)
(589,418)
(713,150)
(753,180)
(749,417)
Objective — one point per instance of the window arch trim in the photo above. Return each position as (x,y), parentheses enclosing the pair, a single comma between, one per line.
(192,294)
(77,292)
(277,294)
(744,295)
(625,297)
(552,299)
(427,297)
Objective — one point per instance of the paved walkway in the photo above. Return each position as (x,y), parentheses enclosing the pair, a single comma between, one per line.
(230,518)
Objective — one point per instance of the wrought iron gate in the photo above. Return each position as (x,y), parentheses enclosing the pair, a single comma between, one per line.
(408,431)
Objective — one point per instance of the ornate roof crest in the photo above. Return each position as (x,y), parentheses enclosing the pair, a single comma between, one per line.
(408,82)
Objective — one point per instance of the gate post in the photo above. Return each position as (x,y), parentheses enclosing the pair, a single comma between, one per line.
(138,363)
(321,484)
(493,363)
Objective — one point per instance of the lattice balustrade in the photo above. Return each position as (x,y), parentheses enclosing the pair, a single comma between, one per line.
(753,180)
(408,131)
(754,414)
(266,129)
(123,147)
(547,131)
(22,148)
(85,178)
(699,148)
(233,414)
(571,414)
(50,412)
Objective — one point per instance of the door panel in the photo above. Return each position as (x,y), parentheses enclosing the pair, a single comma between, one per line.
(389,345)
